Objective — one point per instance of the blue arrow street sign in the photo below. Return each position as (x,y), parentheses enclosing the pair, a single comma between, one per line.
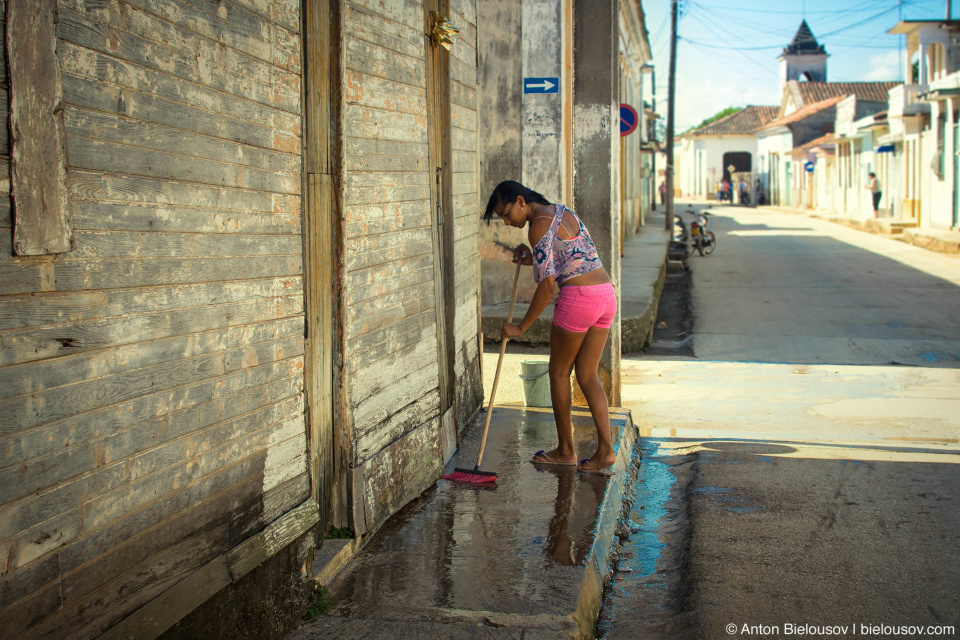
(809,166)
(541,85)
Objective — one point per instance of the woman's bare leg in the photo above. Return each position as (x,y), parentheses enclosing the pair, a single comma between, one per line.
(564,346)
(587,362)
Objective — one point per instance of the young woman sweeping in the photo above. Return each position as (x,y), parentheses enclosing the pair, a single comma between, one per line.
(564,256)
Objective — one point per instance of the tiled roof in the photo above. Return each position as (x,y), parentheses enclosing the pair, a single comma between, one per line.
(822,140)
(811,92)
(806,112)
(742,123)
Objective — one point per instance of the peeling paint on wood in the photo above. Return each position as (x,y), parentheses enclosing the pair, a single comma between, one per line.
(38,160)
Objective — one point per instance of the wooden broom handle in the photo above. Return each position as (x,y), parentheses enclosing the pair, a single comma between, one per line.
(496,378)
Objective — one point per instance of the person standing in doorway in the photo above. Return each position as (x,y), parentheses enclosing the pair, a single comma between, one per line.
(874,185)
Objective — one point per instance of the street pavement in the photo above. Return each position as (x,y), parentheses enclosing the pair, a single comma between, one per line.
(800,472)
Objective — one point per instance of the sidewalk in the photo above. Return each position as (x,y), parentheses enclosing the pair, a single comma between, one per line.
(642,269)
(526,559)
(939,240)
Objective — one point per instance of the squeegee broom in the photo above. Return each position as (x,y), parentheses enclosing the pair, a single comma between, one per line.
(476,475)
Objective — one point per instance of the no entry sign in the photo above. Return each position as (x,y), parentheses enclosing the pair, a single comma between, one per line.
(628,119)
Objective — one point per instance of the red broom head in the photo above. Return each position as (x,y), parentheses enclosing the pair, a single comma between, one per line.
(468,475)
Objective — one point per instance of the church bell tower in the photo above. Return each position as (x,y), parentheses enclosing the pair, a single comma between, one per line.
(804,59)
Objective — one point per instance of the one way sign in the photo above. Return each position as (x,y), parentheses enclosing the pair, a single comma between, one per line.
(541,85)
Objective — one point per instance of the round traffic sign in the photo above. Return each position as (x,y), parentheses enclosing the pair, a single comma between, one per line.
(809,166)
(628,119)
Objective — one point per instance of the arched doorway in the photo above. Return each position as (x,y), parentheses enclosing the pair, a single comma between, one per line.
(740,160)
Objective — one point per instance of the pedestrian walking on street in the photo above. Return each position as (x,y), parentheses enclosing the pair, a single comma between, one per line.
(663,193)
(728,186)
(564,256)
(874,185)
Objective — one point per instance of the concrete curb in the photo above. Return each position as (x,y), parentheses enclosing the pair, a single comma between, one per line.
(599,561)
(931,243)
(636,331)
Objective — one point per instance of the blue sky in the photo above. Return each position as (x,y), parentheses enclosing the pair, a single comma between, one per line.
(727,55)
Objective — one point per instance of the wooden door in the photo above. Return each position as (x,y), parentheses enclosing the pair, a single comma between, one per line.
(441,196)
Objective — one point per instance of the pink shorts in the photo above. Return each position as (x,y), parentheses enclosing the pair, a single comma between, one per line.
(579,308)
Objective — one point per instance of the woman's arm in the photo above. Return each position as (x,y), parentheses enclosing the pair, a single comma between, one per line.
(544,292)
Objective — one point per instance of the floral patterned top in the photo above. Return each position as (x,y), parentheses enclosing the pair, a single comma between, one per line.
(564,259)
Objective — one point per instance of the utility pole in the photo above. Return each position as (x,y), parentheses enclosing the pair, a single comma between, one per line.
(671,100)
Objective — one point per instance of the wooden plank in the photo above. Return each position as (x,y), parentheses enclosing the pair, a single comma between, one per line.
(42,376)
(176,602)
(88,93)
(102,609)
(163,612)
(71,275)
(389,316)
(20,413)
(16,585)
(26,613)
(51,308)
(38,176)
(401,471)
(32,344)
(266,507)
(245,557)
(281,91)
(392,298)
(379,93)
(405,419)
(378,408)
(143,490)
(371,27)
(99,187)
(356,261)
(111,157)
(97,245)
(168,413)
(114,462)
(130,131)
(104,539)
(383,125)
(184,27)
(97,67)
(122,216)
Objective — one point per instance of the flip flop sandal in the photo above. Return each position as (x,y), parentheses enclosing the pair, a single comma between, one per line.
(549,461)
(583,468)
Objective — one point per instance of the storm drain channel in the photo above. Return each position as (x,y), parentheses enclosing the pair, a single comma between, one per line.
(647,595)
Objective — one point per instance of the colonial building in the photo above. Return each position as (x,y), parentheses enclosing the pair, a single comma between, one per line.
(704,155)
(240,296)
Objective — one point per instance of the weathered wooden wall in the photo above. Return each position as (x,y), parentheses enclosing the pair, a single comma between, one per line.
(391,363)
(151,407)
(466,207)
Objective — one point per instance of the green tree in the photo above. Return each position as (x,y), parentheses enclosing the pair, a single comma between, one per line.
(720,114)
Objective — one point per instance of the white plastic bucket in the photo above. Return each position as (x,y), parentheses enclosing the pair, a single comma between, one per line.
(536,383)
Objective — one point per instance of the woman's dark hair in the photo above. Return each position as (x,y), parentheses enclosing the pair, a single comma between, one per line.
(507,192)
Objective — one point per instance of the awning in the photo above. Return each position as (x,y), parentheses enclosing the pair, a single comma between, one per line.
(885,148)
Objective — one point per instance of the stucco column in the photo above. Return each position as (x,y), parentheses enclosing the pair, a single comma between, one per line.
(542,137)
(596,151)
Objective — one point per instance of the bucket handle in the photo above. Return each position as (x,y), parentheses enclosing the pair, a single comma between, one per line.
(536,377)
